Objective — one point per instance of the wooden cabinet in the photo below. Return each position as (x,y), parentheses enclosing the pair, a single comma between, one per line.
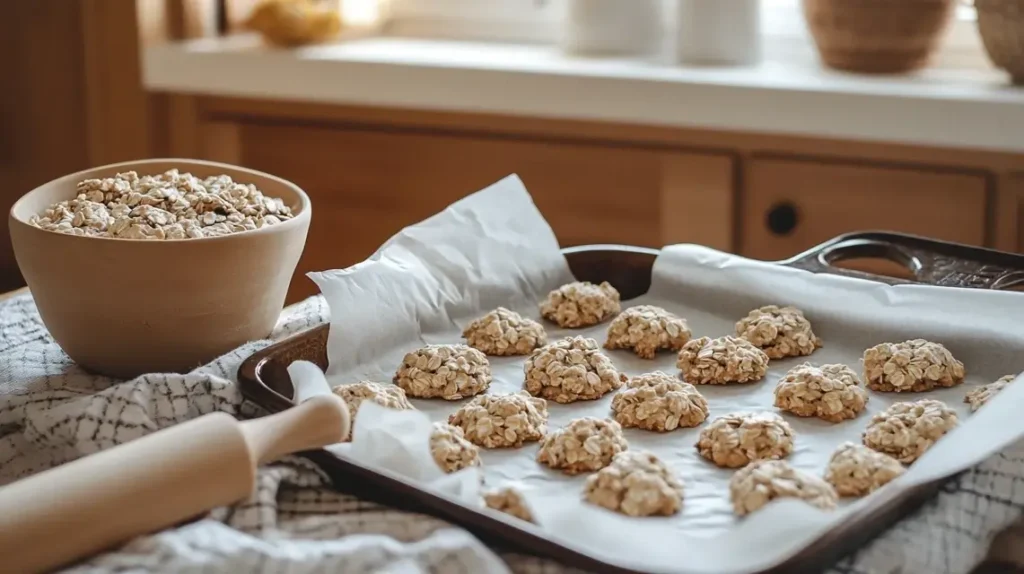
(1009,213)
(370,172)
(788,206)
(366,185)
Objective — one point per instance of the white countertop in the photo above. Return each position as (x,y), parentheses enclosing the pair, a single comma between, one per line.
(948,108)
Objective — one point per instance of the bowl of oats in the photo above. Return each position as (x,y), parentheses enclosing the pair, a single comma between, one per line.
(159,265)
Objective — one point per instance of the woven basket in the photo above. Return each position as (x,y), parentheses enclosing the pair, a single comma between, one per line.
(877,36)
(1001,23)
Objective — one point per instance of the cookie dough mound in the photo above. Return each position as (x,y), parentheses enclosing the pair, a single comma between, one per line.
(571,369)
(584,445)
(508,500)
(450,449)
(635,484)
(659,402)
(646,329)
(503,333)
(737,439)
(385,395)
(915,366)
(978,397)
(906,430)
(580,304)
(502,421)
(779,331)
(856,470)
(449,372)
(829,392)
(707,361)
(763,481)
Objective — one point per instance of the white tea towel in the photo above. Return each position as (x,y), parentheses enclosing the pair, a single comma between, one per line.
(52,412)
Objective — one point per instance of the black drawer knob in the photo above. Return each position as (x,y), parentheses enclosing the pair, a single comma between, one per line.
(782,218)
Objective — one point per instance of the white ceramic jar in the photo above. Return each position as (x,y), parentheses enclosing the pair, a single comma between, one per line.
(719,32)
(612,27)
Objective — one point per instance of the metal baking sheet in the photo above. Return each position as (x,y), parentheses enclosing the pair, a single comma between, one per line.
(711,290)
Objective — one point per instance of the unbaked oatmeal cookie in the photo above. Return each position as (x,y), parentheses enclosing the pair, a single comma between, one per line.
(645,330)
(763,481)
(584,445)
(659,402)
(502,421)
(829,392)
(856,470)
(508,500)
(635,484)
(979,396)
(737,439)
(915,366)
(503,333)
(707,361)
(449,372)
(779,331)
(385,395)
(906,430)
(580,304)
(571,369)
(450,449)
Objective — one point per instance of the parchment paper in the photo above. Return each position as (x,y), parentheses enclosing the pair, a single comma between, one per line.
(494,248)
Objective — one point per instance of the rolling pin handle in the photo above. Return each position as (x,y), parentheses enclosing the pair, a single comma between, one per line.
(316,422)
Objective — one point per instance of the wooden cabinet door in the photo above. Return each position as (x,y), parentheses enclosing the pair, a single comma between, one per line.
(789,206)
(1009,213)
(366,185)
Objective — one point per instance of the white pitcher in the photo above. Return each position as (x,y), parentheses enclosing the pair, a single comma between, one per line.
(723,32)
(610,27)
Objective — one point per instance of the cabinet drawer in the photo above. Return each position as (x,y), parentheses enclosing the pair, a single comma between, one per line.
(789,206)
(366,185)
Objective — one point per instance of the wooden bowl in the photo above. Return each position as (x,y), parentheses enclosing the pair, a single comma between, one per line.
(1001,25)
(877,36)
(123,307)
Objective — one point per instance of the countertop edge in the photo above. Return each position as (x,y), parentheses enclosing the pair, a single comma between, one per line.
(873,112)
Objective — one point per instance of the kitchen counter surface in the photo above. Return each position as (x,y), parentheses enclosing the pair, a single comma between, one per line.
(967,109)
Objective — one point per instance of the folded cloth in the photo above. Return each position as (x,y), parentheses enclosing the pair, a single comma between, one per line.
(52,412)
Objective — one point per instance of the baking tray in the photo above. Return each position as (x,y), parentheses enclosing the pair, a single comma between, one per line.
(263,379)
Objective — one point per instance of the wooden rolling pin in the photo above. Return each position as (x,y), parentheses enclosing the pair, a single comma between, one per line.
(163,479)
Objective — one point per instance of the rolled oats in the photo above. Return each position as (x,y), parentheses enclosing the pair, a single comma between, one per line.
(759,483)
(385,395)
(856,470)
(635,484)
(580,304)
(737,439)
(450,372)
(646,329)
(979,396)
(170,205)
(508,500)
(829,392)
(502,333)
(498,421)
(450,449)
(906,430)
(571,369)
(584,445)
(707,361)
(916,365)
(659,402)
(779,331)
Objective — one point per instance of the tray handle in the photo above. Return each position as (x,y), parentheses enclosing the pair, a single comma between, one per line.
(931,261)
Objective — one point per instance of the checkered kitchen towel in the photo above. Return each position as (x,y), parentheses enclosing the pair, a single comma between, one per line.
(52,412)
